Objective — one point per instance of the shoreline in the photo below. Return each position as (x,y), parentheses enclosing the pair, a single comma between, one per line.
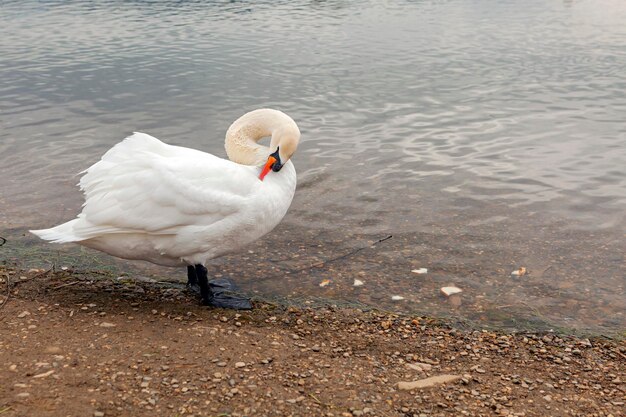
(79,344)
(547,299)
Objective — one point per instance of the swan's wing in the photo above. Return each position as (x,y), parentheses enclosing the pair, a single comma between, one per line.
(144,185)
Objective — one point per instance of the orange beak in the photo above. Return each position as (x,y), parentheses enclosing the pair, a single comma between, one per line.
(268,165)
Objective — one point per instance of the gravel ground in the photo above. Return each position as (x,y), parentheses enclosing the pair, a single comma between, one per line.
(86,345)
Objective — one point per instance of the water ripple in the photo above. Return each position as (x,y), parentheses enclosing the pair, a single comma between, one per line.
(409,110)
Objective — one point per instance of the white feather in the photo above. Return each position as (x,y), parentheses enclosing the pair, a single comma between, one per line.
(172,205)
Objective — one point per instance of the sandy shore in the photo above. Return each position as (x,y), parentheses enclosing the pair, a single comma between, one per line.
(87,345)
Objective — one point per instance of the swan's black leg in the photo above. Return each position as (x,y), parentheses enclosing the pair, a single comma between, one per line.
(219,292)
(203,282)
(192,279)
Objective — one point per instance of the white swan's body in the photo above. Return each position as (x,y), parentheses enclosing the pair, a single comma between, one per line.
(175,206)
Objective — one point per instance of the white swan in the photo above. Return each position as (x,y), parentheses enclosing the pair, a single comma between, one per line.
(176,206)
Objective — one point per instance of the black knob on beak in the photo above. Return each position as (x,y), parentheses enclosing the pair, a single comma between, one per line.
(278,164)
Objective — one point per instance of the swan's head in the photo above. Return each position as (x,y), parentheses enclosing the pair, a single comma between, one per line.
(244,134)
(285,144)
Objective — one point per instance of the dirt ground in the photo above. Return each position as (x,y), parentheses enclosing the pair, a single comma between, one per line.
(87,345)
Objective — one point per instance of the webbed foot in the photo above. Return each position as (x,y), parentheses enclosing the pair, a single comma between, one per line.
(220,293)
(223,294)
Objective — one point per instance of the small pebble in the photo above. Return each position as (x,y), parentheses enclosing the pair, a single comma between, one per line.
(451,290)
(519,272)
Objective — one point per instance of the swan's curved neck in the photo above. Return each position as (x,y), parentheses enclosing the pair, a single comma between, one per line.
(244,134)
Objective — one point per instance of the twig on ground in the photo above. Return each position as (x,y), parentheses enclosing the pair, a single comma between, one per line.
(340,257)
(6,300)
(39,275)
(65,285)
(619,353)
(317,400)
(16,283)
(382,240)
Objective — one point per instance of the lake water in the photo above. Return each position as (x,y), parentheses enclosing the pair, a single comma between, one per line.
(482,135)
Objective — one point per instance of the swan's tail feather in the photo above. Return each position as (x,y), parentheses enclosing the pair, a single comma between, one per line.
(62,233)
